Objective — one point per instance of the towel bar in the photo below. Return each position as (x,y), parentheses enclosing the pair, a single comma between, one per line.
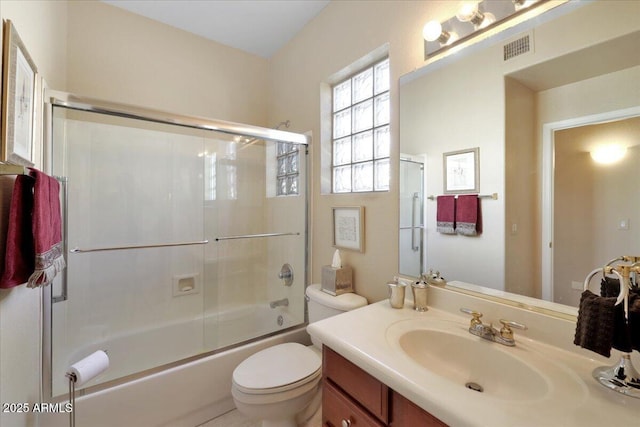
(492,196)
(253,236)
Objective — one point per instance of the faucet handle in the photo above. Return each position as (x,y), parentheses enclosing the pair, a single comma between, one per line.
(506,332)
(475,321)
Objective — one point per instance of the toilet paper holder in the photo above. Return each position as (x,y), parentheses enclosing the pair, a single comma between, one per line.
(83,371)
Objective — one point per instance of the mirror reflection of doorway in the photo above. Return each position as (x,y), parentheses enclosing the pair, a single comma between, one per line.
(596,208)
(411,250)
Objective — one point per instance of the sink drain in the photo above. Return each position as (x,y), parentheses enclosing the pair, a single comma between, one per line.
(474,386)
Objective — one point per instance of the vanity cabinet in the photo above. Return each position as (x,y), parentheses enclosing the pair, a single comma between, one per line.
(351,397)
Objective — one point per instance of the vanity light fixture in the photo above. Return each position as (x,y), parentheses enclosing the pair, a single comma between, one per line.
(486,17)
(607,154)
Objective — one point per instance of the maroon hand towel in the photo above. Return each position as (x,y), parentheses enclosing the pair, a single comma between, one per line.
(468,218)
(34,237)
(445,217)
(20,254)
(47,229)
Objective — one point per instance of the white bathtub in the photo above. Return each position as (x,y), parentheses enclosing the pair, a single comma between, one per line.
(184,395)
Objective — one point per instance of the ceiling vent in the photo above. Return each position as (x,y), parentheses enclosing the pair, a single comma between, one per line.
(519,46)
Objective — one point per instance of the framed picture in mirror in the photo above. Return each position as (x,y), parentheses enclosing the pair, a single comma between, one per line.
(18,99)
(348,228)
(461,171)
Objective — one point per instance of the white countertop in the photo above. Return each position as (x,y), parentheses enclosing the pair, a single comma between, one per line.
(362,337)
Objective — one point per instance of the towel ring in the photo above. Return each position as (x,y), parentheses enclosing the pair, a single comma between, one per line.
(624,287)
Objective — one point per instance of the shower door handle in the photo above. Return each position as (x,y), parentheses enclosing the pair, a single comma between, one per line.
(65,205)
(416,197)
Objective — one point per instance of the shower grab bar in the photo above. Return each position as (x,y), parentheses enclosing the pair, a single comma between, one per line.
(253,236)
(119,248)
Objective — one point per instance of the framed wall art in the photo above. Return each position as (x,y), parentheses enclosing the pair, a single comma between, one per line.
(461,171)
(348,228)
(18,99)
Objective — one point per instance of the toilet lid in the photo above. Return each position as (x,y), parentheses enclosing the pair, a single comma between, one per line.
(276,367)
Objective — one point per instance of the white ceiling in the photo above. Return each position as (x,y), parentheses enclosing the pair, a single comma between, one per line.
(260,27)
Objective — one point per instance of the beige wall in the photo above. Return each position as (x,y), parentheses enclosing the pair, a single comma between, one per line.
(118,56)
(42,27)
(522,271)
(343,33)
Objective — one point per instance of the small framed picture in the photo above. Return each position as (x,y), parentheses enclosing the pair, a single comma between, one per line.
(348,228)
(461,171)
(18,99)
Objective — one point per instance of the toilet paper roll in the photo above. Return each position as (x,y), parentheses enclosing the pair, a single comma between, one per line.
(89,367)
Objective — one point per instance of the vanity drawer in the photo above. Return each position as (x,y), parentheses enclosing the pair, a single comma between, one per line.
(362,387)
(338,410)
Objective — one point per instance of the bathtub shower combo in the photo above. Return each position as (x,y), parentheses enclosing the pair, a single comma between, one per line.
(183,237)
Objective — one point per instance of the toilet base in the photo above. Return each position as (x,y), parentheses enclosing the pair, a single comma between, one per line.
(286,413)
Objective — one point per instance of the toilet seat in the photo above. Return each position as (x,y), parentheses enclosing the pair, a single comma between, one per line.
(277,369)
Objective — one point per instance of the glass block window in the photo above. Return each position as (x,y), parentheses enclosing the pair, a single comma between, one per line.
(210,175)
(288,158)
(360,142)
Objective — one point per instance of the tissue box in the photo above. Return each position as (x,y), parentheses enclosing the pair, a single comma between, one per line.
(336,281)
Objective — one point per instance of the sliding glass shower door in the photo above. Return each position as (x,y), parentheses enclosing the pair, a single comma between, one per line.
(175,239)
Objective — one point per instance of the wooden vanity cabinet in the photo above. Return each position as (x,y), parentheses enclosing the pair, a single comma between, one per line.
(408,414)
(351,397)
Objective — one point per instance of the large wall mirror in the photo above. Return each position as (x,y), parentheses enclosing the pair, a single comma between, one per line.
(535,118)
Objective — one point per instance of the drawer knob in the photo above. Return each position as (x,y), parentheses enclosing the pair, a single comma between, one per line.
(346,423)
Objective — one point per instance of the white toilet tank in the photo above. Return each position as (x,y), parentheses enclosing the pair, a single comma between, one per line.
(323,305)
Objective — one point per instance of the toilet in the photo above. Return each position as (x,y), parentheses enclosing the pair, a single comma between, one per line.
(280,385)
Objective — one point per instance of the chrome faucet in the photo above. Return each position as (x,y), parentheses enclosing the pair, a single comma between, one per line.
(504,336)
(281,302)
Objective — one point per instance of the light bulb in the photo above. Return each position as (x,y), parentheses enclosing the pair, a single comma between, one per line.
(467,12)
(432,31)
(608,153)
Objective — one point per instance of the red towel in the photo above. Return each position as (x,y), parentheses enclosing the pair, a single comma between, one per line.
(445,217)
(34,237)
(19,257)
(468,217)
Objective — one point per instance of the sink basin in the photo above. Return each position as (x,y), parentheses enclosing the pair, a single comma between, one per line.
(479,365)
